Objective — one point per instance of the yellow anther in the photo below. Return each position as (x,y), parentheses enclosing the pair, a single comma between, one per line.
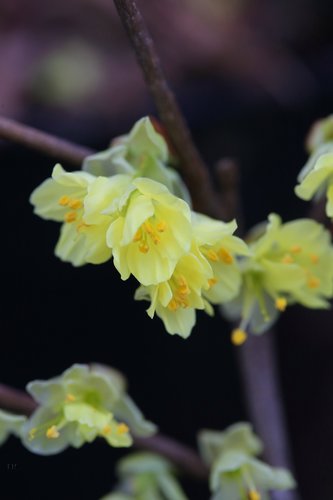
(106,430)
(173,305)
(64,200)
(281,304)
(212,255)
(122,429)
(156,239)
(238,336)
(183,288)
(212,282)
(314,258)
(32,433)
(225,256)
(161,226)
(148,227)
(75,204)
(138,235)
(70,398)
(313,282)
(70,217)
(52,432)
(295,249)
(254,495)
(287,259)
(144,248)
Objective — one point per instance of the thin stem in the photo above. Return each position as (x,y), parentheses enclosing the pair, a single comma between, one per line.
(259,372)
(194,170)
(178,453)
(46,143)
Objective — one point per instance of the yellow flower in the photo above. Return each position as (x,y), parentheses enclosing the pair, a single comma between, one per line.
(77,199)
(216,242)
(151,231)
(291,263)
(176,299)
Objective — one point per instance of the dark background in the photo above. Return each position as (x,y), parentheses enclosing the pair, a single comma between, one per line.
(250,82)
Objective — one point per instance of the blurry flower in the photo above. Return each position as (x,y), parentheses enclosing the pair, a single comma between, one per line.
(10,424)
(320,133)
(235,472)
(143,152)
(80,405)
(76,199)
(150,232)
(290,263)
(146,476)
(316,178)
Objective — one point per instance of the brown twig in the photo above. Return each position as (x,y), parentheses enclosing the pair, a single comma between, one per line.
(259,373)
(60,149)
(193,168)
(183,456)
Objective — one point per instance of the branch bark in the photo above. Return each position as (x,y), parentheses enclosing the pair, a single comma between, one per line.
(183,456)
(194,170)
(41,141)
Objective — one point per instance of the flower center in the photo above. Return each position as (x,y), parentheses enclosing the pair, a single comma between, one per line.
(180,291)
(218,255)
(149,232)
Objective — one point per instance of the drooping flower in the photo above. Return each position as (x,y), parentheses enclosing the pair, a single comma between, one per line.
(143,152)
(63,198)
(175,300)
(290,263)
(146,476)
(10,424)
(151,230)
(316,177)
(221,248)
(320,133)
(236,473)
(80,405)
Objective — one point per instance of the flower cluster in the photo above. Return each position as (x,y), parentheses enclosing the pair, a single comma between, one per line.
(235,472)
(81,404)
(316,177)
(144,476)
(130,205)
(289,263)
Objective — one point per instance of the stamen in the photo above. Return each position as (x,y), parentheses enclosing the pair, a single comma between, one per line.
(238,336)
(287,259)
(52,432)
(212,255)
(144,248)
(225,256)
(161,226)
(313,282)
(70,398)
(156,239)
(148,227)
(183,288)
(173,305)
(212,282)
(64,200)
(314,258)
(75,204)
(295,249)
(70,217)
(106,430)
(138,235)
(122,429)
(280,303)
(254,495)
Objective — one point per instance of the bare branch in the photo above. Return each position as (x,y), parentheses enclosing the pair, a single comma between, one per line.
(180,454)
(32,138)
(194,170)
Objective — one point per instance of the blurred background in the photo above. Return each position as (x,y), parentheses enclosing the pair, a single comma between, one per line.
(251,77)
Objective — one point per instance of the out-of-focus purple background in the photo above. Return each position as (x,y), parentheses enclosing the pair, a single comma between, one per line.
(251,76)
